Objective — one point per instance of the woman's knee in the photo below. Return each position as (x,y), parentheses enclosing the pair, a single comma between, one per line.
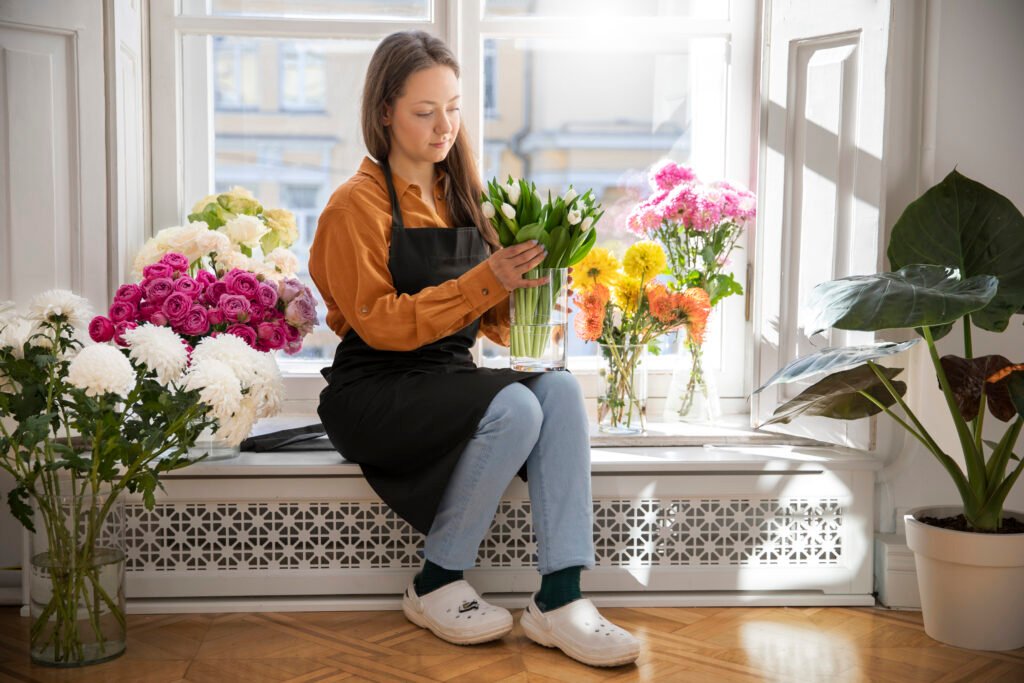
(517,405)
(563,385)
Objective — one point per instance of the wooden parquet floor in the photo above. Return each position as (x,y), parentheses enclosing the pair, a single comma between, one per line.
(802,645)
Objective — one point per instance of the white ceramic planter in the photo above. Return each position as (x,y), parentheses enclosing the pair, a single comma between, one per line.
(970,583)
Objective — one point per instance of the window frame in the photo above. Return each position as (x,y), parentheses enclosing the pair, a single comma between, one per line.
(177,27)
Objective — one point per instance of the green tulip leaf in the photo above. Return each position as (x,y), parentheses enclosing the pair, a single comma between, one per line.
(834,360)
(533,231)
(838,396)
(963,224)
(915,296)
(582,247)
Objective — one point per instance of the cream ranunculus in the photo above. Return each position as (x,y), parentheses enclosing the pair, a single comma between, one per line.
(226,260)
(202,203)
(150,253)
(282,222)
(212,241)
(285,261)
(183,239)
(245,230)
(240,201)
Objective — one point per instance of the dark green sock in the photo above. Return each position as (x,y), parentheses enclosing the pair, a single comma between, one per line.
(433,576)
(558,588)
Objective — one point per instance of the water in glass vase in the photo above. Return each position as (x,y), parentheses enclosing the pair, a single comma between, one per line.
(539,321)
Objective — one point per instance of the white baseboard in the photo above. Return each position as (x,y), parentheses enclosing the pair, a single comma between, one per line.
(895,573)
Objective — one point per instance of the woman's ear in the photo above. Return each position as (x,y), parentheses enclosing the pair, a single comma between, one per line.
(386,115)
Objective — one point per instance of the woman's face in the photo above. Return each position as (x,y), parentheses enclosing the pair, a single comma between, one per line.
(425,119)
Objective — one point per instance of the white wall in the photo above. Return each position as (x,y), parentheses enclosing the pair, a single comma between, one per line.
(970,108)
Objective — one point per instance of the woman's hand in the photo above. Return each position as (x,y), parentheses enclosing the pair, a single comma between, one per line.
(510,263)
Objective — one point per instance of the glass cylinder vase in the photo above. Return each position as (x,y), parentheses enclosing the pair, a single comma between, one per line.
(622,397)
(76,585)
(539,319)
(693,389)
(209,442)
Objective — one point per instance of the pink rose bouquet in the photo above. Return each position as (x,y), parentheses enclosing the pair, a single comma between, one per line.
(268,315)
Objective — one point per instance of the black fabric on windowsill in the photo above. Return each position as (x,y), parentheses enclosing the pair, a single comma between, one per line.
(308,438)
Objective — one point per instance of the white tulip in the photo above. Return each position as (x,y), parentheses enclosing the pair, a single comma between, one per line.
(569,196)
(508,210)
(575,217)
(513,191)
(488,210)
(587,222)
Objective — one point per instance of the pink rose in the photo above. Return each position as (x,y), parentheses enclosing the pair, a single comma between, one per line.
(243,332)
(236,308)
(188,286)
(159,318)
(157,270)
(267,294)
(301,313)
(120,329)
(196,322)
(271,335)
(293,347)
(177,306)
(241,282)
(130,293)
(123,310)
(292,334)
(289,289)
(215,291)
(206,278)
(101,329)
(158,289)
(177,262)
(146,311)
(215,316)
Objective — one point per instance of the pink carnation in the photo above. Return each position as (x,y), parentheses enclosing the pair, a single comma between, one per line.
(668,174)
(177,262)
(101,329)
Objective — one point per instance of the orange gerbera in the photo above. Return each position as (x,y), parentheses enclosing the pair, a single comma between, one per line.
(590,316)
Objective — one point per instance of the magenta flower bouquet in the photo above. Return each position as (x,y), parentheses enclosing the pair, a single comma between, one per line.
(267,315)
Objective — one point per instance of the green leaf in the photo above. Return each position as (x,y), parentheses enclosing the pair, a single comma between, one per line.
(533,231)
(963,224)
(915,296)
(582,248)
(834,360)
(968,380)
(17,500)
(1015,385)
(838,396)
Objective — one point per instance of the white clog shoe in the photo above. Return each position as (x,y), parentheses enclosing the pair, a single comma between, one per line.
(456,613)
(579,630)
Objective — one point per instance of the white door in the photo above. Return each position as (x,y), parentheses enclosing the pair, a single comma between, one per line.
(823,106)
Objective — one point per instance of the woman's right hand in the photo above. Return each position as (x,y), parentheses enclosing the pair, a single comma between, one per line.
(511,262)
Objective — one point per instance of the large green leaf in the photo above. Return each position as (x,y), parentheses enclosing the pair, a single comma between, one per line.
(969,378)
(834,360)
(838,396)
(963,224)
(1015,384)
(915,296)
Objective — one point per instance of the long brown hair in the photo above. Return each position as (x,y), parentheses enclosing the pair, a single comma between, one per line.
(396,58)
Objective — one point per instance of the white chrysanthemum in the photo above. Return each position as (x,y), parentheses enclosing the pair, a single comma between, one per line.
(14,332)
(183,239)
(233,352)
(268,389)
(237,427)
(159,349)
(212,241)
(285,261)
(234,259)
(217,385)
(245,230)
(100,369)
(60,302)
(8,310)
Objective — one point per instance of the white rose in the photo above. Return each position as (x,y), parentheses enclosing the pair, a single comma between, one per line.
(212,241)
(284,260)
(574,217)
(587,222)
(508,210)
(488,210)
(245,230)
(569,196)
(513,191)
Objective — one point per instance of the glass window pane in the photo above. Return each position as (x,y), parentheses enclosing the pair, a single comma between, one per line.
(292,160)
(696,9)
(327,9)
(619,111)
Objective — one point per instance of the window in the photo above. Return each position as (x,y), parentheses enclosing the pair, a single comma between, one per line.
(589,93)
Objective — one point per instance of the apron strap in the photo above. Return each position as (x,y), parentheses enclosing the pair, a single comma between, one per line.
(396,211)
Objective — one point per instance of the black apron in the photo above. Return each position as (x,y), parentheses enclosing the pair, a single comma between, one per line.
(406,416)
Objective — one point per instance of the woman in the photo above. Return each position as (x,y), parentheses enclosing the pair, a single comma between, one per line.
(438,438)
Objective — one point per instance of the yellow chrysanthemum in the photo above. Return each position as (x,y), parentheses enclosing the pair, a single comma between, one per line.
(644,260)
(598,267)
(627,294)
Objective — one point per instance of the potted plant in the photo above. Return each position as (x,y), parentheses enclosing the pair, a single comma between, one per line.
(958,257)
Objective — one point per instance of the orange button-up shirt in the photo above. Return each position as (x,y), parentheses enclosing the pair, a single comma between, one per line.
(348,262)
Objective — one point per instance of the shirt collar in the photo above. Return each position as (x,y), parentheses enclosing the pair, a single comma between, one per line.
(372,169)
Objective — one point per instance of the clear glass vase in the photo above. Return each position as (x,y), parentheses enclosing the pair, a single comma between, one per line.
(209,442)
(539,319)
(622,397)
(76,585)
(693,389)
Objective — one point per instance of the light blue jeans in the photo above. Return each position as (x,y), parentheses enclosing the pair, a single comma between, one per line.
(542,421)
